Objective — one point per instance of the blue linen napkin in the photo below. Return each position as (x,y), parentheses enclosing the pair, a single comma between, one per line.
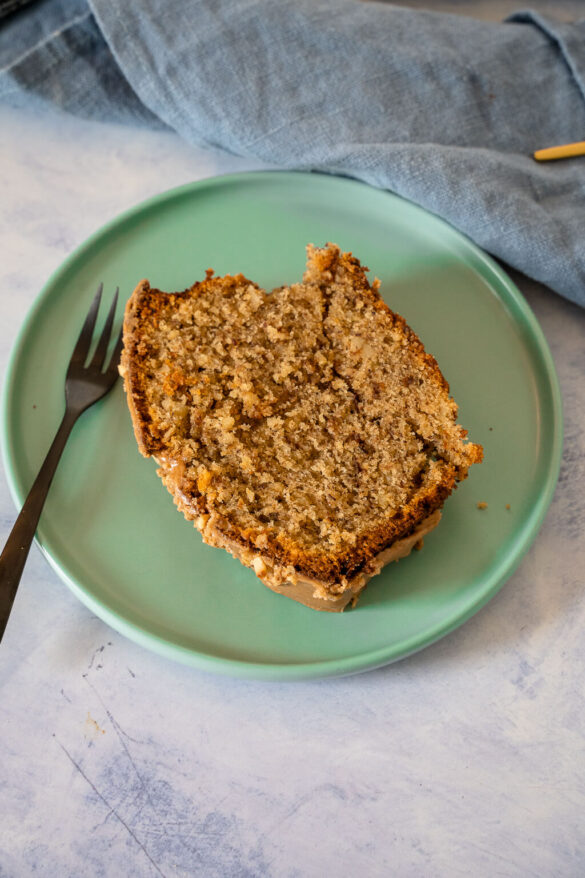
(442,109)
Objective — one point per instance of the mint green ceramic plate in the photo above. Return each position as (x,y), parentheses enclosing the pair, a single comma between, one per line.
(111,530)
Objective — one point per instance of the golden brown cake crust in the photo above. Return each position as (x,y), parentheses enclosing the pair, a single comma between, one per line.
(383,450)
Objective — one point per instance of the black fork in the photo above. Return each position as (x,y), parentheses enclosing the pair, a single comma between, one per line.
(84,385)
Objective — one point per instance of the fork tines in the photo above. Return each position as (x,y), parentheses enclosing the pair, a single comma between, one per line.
(83,345)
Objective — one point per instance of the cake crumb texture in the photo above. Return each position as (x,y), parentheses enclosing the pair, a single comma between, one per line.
(306,425)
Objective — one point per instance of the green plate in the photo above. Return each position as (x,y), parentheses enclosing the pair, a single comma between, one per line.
(109,527)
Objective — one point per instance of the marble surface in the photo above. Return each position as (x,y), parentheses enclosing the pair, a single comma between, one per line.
(466,759)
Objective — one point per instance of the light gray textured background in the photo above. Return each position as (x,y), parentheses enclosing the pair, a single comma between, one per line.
(467,759)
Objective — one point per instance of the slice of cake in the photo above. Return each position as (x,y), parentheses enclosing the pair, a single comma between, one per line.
(304,430)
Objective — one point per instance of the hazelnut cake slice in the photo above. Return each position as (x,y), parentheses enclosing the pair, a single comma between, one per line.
(305,430)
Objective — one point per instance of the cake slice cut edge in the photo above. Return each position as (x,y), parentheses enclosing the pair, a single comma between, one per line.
(195,366)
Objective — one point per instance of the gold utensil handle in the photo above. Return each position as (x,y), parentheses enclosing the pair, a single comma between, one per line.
(568,150)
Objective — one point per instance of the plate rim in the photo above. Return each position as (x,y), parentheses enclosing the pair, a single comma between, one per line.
(276,671)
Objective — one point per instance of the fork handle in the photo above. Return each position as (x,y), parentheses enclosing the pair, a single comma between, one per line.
(15,552)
